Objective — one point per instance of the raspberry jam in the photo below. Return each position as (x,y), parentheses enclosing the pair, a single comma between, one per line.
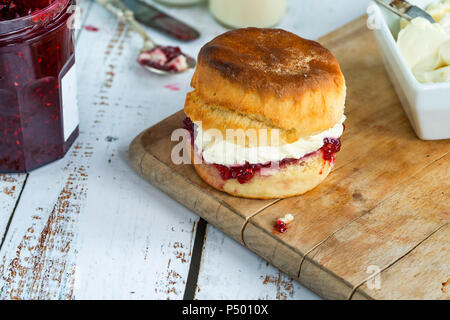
(189,126)
(281,226)
(282,223)
(13,9)
(330,147)
(244,173)
(38,112)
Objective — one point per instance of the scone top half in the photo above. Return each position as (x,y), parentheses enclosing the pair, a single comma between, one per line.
(267,79)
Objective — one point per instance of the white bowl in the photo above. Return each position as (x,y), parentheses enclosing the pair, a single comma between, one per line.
(427,105)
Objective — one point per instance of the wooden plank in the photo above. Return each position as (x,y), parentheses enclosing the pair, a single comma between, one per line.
(87,221)
(381,161)
(71,196)
(146,244)
(383,235)
(229,271)
(10,188)
(424,271)
(11,184)
(257,279)
(347,196)
(35,258)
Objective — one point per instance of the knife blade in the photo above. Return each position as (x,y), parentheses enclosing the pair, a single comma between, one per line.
(156,19)
(406,10)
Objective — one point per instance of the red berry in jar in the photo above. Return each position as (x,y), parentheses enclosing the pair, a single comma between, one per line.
(38,111)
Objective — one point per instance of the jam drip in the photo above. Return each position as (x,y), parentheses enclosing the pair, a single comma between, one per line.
(244,173)
(13,9)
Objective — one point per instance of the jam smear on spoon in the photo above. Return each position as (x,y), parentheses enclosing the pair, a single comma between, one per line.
(165,58)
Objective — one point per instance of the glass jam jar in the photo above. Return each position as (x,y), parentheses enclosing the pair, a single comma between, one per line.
(38,108)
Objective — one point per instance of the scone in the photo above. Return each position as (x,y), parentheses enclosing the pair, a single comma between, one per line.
(266,113)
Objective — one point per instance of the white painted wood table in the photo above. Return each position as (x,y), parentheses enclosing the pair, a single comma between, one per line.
(88,227)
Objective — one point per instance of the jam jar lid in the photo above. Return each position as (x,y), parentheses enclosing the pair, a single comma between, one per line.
(29,23)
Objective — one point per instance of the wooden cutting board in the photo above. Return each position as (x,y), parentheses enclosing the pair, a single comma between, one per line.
(377,228)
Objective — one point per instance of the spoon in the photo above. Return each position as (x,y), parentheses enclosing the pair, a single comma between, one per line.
(155,58)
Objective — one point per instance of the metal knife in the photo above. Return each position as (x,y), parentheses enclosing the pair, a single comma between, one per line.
(405,9)
(154,18)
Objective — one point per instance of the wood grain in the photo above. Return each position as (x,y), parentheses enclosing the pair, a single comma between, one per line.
(126,239)
(10,188)
(424,270)
(387,196)
(385,234)
(244,275)
(86,226)
(11,184)
(362,175)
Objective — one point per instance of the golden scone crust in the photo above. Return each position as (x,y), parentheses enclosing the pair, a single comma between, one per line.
(267,78)
(293,180)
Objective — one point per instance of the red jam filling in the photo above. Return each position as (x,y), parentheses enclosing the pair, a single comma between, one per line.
(281,226)
(164,58)
(13,9)
(33,64)
(330,147)
(189,126)
(244,173)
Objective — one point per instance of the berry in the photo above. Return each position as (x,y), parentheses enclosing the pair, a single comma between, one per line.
(281,226)
(281,223)
(12,9)
(330,147)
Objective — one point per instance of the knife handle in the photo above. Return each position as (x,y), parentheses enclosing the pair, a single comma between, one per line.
(154,18)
